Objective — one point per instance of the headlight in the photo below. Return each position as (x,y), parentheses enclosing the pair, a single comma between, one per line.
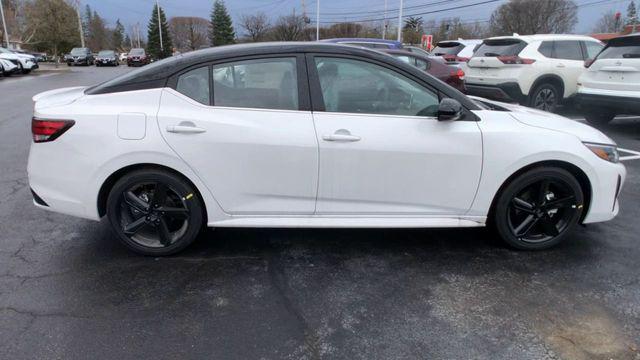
(604,152)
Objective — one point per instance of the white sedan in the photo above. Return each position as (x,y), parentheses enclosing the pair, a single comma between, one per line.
(310,135)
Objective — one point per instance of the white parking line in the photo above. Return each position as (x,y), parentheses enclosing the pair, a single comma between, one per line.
(635,156)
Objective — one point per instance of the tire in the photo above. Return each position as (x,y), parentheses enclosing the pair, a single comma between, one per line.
(545,97)
(527,218)
(150,226)
(599,116)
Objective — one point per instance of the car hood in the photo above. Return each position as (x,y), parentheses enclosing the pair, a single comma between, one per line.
(58,97)
(545,120)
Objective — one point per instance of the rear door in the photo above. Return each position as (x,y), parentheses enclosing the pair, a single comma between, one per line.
(567,62)
(617,67)
(246,129)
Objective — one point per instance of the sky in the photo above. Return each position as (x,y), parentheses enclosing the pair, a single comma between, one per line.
(132,11)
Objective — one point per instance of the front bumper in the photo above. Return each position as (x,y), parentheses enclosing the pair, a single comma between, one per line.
(606,189)
(507,92)
(621,104)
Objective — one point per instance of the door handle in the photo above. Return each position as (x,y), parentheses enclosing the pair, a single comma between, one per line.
(341,138)
(185,127)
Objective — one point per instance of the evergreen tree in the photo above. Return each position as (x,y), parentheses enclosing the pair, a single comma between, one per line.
(153,36)
(632,14)
(117,38)
(221,26)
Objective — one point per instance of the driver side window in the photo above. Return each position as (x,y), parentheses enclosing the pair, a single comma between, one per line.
(353,86)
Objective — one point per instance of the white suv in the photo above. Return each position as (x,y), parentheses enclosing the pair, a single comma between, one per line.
(457,51)
(611,83)
(24,62)
(540,71)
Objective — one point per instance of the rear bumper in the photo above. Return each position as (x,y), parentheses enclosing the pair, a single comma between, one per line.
(621,104)
(508,92)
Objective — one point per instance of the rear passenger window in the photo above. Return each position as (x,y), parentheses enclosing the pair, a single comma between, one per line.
(568,50)
(546,49)
(264,83)
(195,84)
(593,49)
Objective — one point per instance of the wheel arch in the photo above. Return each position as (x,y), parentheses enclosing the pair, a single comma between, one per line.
(110,181)
(580,175)
(548,78)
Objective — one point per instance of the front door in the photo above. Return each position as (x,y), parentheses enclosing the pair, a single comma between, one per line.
(382,150)
(240,126)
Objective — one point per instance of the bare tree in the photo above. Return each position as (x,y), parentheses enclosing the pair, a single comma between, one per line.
(54,25)
(534,17)
(608,23)
(188,32)
(256,25)
(290,28)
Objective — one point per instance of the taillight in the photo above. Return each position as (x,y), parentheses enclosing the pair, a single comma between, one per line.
(588,62)
(455,58)
(515,60)
(458,73)
(462,59)
(49,130)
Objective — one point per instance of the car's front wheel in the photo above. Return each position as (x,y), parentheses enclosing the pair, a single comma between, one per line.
(155,212)
(538,208)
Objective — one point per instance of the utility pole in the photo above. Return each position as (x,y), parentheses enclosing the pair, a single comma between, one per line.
(386,23)
(159,27)
(317,20)
(4,25)
(400,21)
(80,23)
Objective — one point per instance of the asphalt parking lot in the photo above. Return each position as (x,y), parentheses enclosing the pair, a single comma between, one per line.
(69,290)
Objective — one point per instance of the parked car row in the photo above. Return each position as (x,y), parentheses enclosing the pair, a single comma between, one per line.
(539,71)
(84,56)
(12,62)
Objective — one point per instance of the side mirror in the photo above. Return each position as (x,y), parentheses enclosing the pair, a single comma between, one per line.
(449,109)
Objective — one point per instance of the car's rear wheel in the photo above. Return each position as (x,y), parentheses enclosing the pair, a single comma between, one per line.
(545,97)
(599,116)
(538,208)
(154,212)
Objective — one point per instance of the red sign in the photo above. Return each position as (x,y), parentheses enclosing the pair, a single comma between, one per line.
(427,41)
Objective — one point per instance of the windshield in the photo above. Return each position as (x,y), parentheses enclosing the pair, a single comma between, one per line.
(106,53)
(78,51)
(403,58)
(136,52)
(500,47)
(448,48)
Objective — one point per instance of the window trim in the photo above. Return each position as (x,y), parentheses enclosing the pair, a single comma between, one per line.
(304,100)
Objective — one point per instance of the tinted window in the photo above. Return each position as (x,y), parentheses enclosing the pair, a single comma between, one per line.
(546,49)
(407,59)
(500,47)
(422,64)
(195,84)
(452,48)
(593,49)
(568,50)
(352,86)
(620,52)
(106,53)
(263,83)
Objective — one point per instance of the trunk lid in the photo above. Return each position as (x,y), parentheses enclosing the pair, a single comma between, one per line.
(58,97)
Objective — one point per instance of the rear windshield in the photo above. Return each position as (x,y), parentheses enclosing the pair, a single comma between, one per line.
(627,48)
(136,52)
(501,47)
(448,48)
(106,53)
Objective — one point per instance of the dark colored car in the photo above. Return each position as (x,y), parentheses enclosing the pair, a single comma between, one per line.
(107,58)
(433,65)
(138,57)
(80,56)
(367,43)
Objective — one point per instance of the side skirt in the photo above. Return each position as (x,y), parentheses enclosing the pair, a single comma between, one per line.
(351,222)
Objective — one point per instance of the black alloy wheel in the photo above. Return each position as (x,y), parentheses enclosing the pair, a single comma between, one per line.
(538,208)
(154,212)
(545,97)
